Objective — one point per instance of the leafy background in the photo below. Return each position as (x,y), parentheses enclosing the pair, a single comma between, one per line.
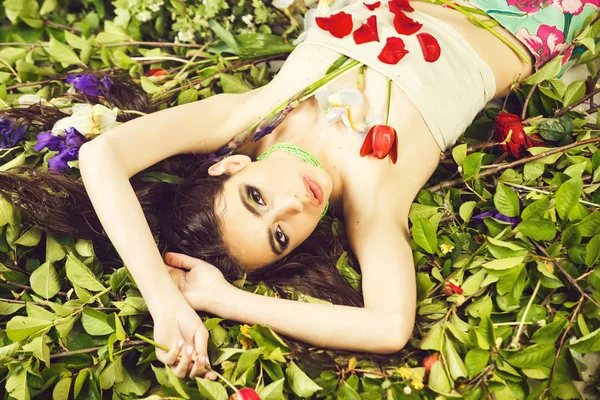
(525,326)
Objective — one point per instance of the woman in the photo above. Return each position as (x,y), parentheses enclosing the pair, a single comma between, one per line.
(264,210)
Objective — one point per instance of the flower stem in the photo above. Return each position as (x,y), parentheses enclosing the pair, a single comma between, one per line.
(389,101)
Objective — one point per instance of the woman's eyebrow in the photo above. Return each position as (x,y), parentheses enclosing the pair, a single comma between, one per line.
(246,203)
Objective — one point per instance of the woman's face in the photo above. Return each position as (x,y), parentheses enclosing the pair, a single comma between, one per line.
(270,206)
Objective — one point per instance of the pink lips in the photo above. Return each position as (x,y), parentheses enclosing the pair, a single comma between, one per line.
(315,190)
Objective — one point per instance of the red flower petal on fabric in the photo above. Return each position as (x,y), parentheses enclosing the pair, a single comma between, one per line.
(430,46)
(373,6)
(397,6)
(339,25)
(405,25)
(393,51)
(367,32)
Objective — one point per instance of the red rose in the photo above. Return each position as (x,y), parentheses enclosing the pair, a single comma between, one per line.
(381,140)
(510,124)
(429,361)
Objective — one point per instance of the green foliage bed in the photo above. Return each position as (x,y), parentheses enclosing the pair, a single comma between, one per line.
(507,313)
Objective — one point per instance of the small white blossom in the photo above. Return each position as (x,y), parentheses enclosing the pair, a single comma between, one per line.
(133,3)
(144,16)
(185,36)
(336,105)
(248,19)
(407,390)
(156,5)
(282,4)
(87,119)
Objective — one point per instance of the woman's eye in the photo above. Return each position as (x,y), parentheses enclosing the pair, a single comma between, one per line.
(281,238)
(255,196)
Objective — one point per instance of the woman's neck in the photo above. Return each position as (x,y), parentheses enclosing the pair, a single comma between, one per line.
(306,128)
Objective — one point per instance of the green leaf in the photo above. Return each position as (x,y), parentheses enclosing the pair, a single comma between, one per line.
(424,234)
(112,373)
(506,201)
(233,84)
(455,363)
(567,196)
(533,170)
(432,340)
(438,380)
(225,36)
(212,390)
(95,322)
(54,250)
(503,264)
(187,96)
(79,273)
(16,384)
(537,229)
(472,165)
(592,251)
(6,212)
(31,238)
(132,384)
(148,86)
(9,308)
(247,360)
(459,153)
(349,273)
(44,280)
(273,391)
(466,210)
(537,209)
(300,383)
(39,349)
(590,225)
(534,356)
(588,343)
(84,248)
(20,328)
(549,333)
(346,392)
(62,53)
(476,360)
(552,129)
(575,91)
(549,70)
(62,389)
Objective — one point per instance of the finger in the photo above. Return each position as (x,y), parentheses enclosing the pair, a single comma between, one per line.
(198,367)
(182,368)
(180,260)
(171,356)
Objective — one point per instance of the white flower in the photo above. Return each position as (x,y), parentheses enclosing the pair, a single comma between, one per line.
(88,120)
(336,105)
(407,390)
(144,16)
(132,3)
(309,21)
(185,36)
(282,4)
(248,19)
(156,5)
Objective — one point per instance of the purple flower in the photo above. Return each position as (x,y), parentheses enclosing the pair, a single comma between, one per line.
(514,221)
(11,133)
(67,147)
(268,126)
(89,84)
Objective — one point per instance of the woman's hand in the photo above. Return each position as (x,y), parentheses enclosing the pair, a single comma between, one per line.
(180,328)
(198,281)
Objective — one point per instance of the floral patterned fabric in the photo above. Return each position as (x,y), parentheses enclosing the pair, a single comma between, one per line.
(546,27)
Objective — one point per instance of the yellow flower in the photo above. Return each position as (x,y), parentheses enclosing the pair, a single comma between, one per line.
(246,343)
(405,372)
(417,382)
(446,248)
(245,329)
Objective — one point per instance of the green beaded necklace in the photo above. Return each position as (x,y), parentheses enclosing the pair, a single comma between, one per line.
(298,152)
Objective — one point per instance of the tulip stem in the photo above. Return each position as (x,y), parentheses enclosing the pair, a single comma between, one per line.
(389,101)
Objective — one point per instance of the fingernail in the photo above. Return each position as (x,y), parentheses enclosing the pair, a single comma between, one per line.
(180,343)
(188,350)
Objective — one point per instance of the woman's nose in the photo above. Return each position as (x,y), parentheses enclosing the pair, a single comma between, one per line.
(291,205)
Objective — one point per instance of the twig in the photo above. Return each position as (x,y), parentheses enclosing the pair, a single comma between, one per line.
(25,287)
(566,274)
(529,95)
(529,189)
(565,110)
(156,44)
(63,27)
(562,343)
(502,167)
(131,343)
(515,341)
(107,309)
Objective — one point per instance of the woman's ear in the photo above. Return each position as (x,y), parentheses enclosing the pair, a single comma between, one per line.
(229,165)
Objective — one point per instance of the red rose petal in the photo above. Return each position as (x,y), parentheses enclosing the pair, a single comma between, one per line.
(397,6)
(156,72)
(405,25)
(393,51)
(367,32)
(430,46)
(339,25)
(455,289)
(373,6)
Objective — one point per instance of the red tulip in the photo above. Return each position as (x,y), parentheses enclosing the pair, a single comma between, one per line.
(367,32)
(397,6)
(156,72)
(373,6)
(339,25)
(510,124)
(381,140)
(246,394)
(429,361)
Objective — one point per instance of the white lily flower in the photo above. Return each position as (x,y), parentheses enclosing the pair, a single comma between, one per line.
(88,120)
(282,4)
(336,105)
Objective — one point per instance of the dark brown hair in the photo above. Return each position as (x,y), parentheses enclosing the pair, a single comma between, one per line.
(178,198)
